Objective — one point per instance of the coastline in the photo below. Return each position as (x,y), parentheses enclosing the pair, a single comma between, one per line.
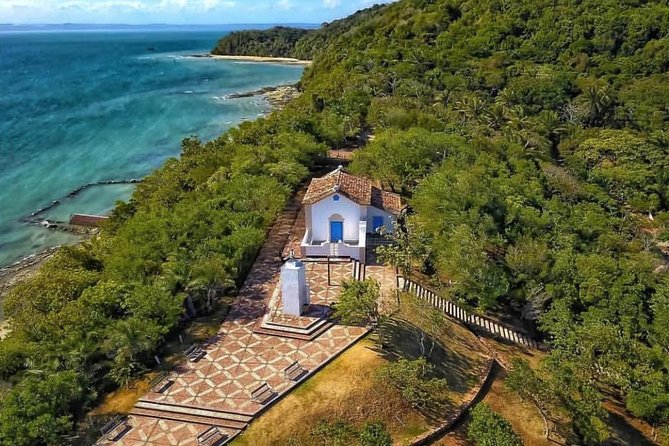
(276,97)
(13,274)
(258,59)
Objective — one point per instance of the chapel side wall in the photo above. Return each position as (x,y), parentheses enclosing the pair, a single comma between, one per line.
(388,219)
(324,209)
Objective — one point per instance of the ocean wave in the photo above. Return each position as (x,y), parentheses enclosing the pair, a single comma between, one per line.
(162,56)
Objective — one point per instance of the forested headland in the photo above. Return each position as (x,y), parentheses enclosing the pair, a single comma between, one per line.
(282,41)
(279,41)
(530,140)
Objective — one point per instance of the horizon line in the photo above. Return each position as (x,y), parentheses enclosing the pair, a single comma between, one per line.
(156,24)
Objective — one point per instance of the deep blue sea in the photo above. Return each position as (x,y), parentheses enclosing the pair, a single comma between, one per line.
(89,105)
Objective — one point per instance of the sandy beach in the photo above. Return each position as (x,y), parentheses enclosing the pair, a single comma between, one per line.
(263,59)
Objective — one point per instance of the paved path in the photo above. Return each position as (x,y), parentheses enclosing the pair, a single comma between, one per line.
(216,390)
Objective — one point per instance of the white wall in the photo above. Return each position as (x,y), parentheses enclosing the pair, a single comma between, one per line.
(354,252)
(321,212)
(388,219)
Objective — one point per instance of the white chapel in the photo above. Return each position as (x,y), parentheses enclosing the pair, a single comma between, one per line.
(342,211)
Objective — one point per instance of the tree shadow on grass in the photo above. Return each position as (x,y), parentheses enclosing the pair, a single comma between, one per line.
(400,341)
(623,433)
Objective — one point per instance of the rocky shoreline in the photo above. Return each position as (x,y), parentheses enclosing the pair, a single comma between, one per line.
(11,275)
(15,273)
(277,97)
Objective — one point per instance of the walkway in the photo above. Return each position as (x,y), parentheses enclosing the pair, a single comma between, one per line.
(216,391)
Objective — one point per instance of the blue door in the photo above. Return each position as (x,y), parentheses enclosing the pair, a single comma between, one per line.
(336,231)
(377,222)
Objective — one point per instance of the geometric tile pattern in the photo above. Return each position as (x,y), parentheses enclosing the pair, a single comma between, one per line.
(386,276)
(237,360)
(149,431)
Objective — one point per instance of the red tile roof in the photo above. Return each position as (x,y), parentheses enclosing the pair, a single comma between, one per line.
(91,221)
(360,190)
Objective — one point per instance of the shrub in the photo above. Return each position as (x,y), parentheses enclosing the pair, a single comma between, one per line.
(489,428)
(358,302)
(38,410)
(375,434)
(412,378)
(338,433)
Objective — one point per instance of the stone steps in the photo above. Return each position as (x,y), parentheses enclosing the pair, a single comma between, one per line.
(190,414)
(312,326)
(288,334)
(481,323)
(205,421)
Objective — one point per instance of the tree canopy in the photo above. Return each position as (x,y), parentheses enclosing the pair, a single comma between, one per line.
(529,138)
(488,428)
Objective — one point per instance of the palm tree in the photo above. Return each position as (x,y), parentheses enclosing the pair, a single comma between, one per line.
(496,116)
(211,275)
(595,102)
(128,340)
(176,278)
(470,108)
(518,129)
(552,128)
(176,273)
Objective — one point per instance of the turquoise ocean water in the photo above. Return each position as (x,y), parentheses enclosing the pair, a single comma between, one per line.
(87,106)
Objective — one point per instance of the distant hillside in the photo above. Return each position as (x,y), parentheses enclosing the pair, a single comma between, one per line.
(275,42)
(284,41)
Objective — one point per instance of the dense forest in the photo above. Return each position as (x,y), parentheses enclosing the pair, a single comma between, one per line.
(530,139)
(275,42)
(283,41)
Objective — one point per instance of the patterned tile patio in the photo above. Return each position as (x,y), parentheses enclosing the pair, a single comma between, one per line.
(149,431)
(216,390)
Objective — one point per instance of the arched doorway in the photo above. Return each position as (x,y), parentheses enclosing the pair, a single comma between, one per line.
(336,228)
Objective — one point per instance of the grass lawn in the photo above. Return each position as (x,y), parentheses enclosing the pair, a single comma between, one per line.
(347,390)
(524,417)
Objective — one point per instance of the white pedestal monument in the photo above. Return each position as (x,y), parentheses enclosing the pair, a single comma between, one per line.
(294,288)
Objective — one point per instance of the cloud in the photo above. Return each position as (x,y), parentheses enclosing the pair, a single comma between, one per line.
(331,4)
(285,4)
(178,11)
(102,6)
(193,5)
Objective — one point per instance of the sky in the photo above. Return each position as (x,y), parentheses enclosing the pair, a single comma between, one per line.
(178,11)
